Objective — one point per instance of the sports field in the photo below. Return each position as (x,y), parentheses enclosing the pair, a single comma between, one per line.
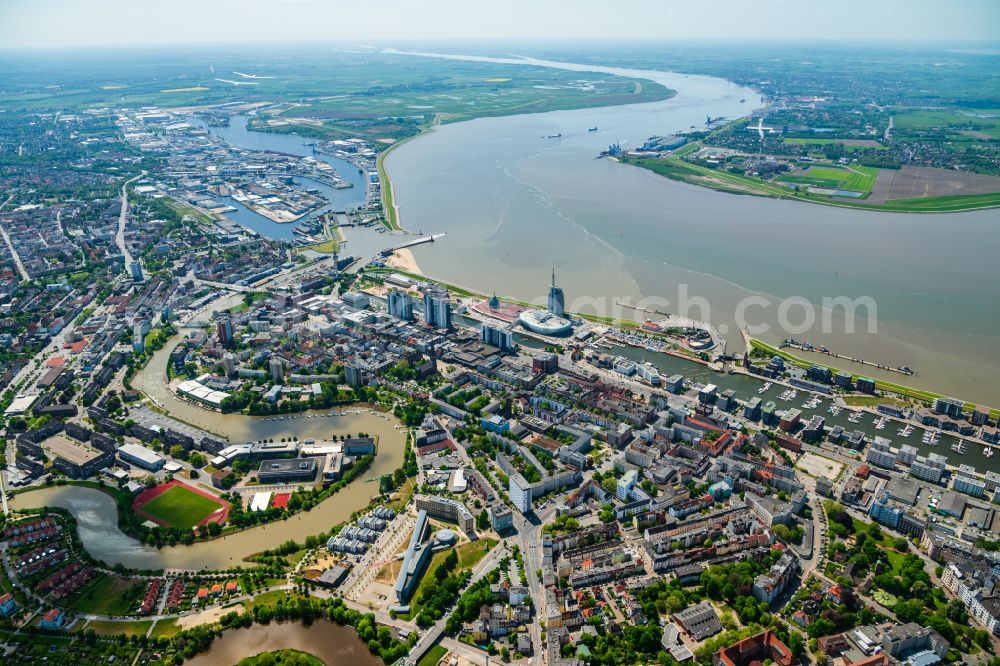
(854,178)
(178,506)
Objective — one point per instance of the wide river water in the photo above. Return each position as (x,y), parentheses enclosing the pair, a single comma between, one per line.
(515,205)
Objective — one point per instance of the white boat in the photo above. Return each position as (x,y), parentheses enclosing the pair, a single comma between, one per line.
(764,388)
(905,431)
(988,451)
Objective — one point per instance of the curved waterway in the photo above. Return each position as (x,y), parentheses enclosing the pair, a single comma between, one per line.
(333,644)
(515,203)
(96,512)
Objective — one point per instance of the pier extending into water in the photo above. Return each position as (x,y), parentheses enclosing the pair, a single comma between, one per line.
(903,370)
(413,243)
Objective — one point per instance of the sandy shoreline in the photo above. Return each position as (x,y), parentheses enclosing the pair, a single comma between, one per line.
(404,261)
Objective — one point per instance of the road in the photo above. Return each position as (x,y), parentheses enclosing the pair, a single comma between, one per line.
(432,635)
(123,221)
(10,245)
(529,533)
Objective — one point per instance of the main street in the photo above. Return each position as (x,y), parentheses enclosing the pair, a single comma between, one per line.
(433,634)
(123,220)
(10,245)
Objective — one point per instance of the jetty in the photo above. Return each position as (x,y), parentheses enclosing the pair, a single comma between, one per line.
(805,346)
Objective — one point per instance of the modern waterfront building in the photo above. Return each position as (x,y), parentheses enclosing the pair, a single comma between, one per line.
(437,308)
(285,470)
(952,408)
(138,338)
(501,338)
(966,481)
(545,323)
(401,305)
(551,321)
(930,468)
(557,300)
(880,455)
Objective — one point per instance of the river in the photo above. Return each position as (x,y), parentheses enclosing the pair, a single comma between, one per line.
(333,644)
(515,205)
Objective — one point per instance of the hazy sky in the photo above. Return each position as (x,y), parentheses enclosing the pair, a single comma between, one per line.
(32,24)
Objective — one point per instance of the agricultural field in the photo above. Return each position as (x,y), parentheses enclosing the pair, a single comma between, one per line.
(849,144)
(974,123)
(177,506)
(332,94)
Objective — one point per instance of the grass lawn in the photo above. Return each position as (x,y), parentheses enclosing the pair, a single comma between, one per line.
(165,628)
(180,507)
(102,628)
(109,595)
(945,204)
(868,400)
(854,178)
(266,599)
(895,559)
(432,656)
(470,553)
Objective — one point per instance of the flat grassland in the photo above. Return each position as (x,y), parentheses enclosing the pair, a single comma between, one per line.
(847,143)
(109,595)
(922,120)
(854,178)
(179,507)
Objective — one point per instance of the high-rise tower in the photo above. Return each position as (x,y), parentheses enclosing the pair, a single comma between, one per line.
(557,301)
